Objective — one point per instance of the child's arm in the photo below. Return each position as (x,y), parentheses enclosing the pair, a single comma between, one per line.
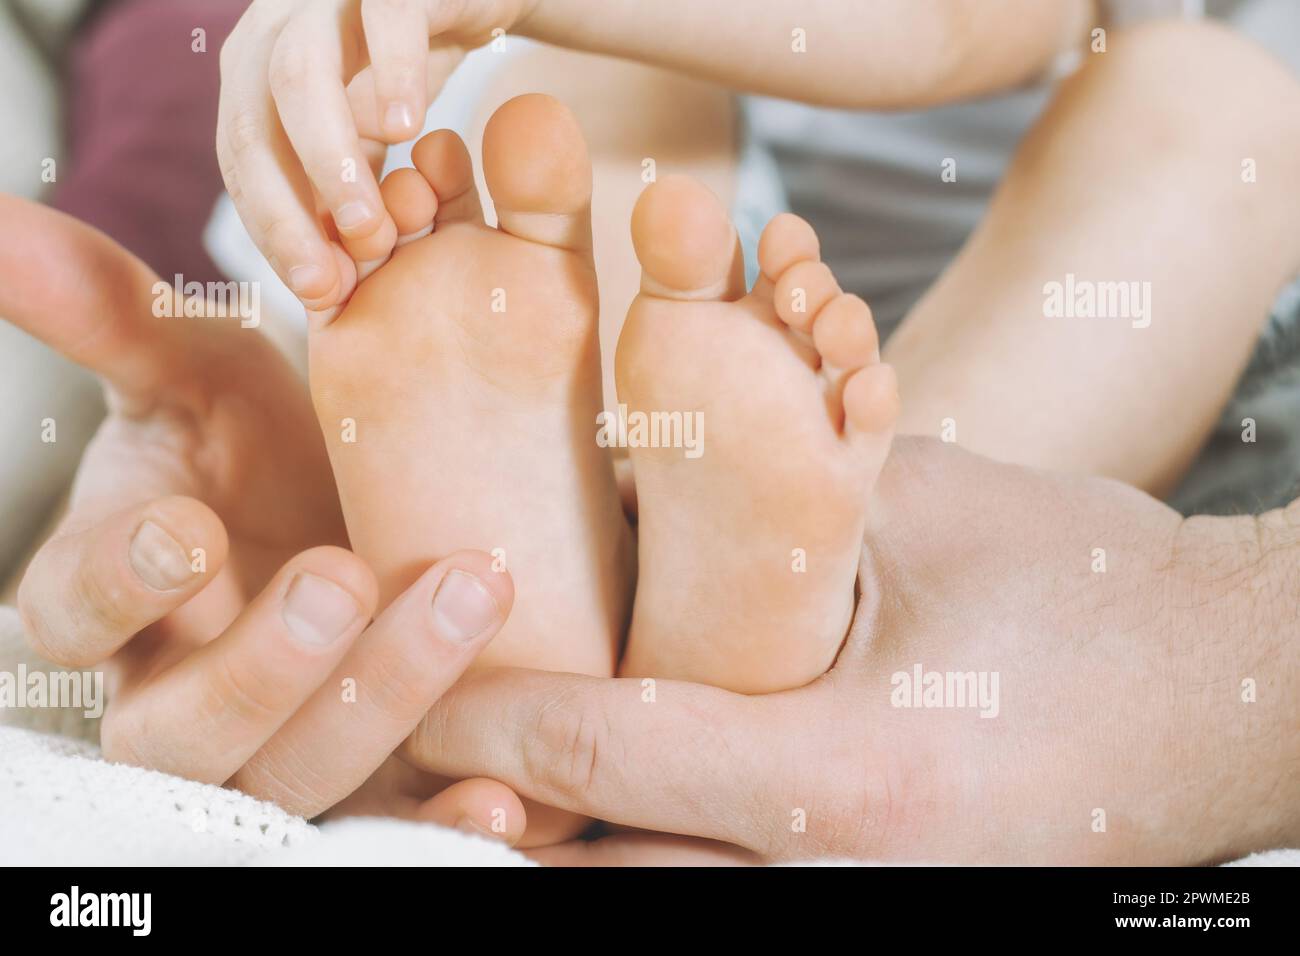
(883,54)
(306,84)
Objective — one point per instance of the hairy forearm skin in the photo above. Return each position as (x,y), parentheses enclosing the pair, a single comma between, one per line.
(881,54)
(1278,591)
(1242,578)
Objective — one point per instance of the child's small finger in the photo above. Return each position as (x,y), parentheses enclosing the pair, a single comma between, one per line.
(397,39)
(478,806)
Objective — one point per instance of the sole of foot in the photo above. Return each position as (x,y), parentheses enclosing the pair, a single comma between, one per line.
(749,543)
(459,388)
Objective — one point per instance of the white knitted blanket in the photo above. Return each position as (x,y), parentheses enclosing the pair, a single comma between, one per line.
(62,804)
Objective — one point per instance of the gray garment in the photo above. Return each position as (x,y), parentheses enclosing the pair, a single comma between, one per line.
(867,182)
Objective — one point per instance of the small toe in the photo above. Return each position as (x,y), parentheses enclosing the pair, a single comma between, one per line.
(443,160)
(788,239)
(411,202)
(845,334)
(870,399)
(802,291)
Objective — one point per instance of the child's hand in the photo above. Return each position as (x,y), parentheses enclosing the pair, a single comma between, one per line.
(181,564)
(311,90)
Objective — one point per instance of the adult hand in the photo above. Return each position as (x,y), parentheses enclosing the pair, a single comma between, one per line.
(181,562)
(1119,730)
(311,90)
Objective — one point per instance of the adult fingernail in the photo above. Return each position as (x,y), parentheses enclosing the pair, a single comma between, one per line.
(317,611)
(352,214)
(302,278)
(463,607)
(158,559)
(399,117)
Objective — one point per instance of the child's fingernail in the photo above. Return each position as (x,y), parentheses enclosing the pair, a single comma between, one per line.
(317,611)
(352,214)
(471,826)
(158,559)
(302,278)
(398,116)
(463,607)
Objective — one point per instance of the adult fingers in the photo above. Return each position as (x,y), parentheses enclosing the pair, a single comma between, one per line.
(397,38)
(206,715)
(263,176)
(92,587)
(668,756)
(85,296)
(416,649)
(306,73)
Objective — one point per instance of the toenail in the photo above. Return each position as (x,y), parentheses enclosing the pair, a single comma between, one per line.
(413,236)
(366,269)
(302,278)
(352,214)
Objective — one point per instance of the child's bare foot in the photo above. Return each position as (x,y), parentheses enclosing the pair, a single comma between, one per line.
(760,535)
(458,389)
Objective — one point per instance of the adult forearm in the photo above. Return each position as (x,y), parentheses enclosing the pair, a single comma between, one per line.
(1279,534)
(878,54)
(1277,633)
(1241,638)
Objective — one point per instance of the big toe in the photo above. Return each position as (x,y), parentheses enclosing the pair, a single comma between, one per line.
(537,169)
(685,242)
